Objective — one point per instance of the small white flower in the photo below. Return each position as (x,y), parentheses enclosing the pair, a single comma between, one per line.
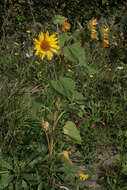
(120,68)
(29,54)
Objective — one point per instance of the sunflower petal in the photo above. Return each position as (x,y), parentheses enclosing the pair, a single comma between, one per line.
(49,55)
(41,37)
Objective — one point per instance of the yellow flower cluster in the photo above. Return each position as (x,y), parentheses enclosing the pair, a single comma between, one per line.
(105,42)
(83,176)
(69,68)
(92,27)
(46,45)
(93,33)
(66,25)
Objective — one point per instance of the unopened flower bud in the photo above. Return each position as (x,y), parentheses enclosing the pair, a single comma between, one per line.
(45,125)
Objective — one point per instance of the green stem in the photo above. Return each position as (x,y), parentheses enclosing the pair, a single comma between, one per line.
(62,70)
(47,140)
(52,136)
(59,117)
(77,186)
(54,71)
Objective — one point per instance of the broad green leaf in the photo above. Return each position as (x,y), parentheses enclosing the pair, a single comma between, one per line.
(65,86)
(75,53)
(5,179)
(79,53)
(63,38)
(68,54)
(71,130)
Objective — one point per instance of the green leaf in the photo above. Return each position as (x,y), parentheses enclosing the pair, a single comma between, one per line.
(75,53)
(91,70)
(63,38)
(71,130)
(35,105)
(24,185)
(67,172)
(5,179)
(78,96)
(68,54)
(4,164)
(35,161)
(65,86)
(40,186)
(10,187)
(32,177)
(58,19)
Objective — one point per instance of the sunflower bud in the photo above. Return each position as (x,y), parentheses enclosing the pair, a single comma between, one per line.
(45,124)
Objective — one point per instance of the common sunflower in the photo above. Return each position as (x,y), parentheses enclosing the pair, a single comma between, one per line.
(66,26)
(105,42)
(105,32)
(46,45)
(92,27)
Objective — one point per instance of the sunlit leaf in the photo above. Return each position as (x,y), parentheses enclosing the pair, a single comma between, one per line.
(63,38)
(66,87)
(71,130)
(75,53)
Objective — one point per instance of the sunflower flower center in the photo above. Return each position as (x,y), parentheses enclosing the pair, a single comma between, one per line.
(45,46)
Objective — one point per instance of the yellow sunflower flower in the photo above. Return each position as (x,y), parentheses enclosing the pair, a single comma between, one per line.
(83,176)
(66,26)
(66,156)
(105,43)
(46,45)
(105,32)
(92,27)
